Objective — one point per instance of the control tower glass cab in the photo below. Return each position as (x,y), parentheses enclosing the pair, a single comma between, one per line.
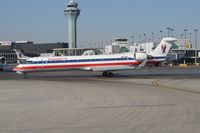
(72,12)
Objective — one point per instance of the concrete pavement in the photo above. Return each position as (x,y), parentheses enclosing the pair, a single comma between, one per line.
(67,102)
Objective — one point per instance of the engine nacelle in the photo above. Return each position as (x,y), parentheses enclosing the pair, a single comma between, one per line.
(140,56)
(2,60)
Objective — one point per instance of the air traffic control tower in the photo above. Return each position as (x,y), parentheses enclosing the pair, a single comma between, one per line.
(72,12)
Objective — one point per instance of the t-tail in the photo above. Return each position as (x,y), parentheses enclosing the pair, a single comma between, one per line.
(160,52)
(20,56)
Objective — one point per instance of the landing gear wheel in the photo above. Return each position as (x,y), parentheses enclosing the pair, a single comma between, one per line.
(110,74)
(107,74)
(25,75)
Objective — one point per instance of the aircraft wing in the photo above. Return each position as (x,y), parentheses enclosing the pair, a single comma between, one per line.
(142,64)
(104,68)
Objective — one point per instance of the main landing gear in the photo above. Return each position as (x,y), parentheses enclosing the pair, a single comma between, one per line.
(107,74)
(25,75)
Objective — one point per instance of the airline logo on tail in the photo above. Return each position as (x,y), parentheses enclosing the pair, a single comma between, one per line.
(163,47)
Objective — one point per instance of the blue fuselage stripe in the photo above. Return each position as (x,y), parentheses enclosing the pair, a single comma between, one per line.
(81,60)
(159,57)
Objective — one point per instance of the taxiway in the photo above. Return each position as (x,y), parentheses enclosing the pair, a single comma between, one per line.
(141,101)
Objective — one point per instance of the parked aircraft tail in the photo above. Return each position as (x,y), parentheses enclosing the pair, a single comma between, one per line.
(20,56)
(164,47)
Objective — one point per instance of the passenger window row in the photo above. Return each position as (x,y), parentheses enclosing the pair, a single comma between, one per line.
(81,60)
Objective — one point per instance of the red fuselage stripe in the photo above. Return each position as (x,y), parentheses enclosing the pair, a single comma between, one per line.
(31,67)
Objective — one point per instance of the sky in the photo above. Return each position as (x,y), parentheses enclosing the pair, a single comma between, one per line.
(100,20)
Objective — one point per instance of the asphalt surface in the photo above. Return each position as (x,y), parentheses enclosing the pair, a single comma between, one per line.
(161,100)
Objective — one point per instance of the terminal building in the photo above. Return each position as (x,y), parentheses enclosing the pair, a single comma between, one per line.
(29,48)
(186,56)
(181,51)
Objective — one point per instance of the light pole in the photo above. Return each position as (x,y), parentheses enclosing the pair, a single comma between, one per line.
(172,32)
(182,36)
(110,42)
(140,36)
(161,34)
(102,44)
(195,38)
(145,41)
(152,37)
(190,38)
(168,31)
(145,38)
(132,39)
(195,31)
(159,39)
(185,30)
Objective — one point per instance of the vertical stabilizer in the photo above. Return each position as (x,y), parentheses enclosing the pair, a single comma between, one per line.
(163,48)
(20,56)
